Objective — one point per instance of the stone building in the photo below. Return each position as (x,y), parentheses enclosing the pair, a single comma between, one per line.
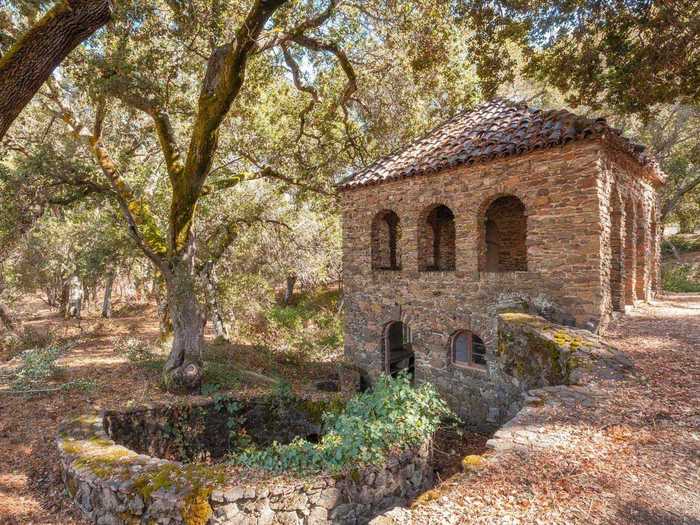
(501,207)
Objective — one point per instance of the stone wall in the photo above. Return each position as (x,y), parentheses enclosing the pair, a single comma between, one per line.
(630,246)
(565,192)
(205,429)
(113,484)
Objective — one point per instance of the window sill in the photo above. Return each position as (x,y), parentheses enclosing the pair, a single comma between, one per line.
(466,366)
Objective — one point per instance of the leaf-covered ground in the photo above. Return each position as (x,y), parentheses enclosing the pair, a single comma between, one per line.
(634,457)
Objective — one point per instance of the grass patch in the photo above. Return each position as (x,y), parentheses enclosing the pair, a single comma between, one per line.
(682,242)
(684,278)
(311,326)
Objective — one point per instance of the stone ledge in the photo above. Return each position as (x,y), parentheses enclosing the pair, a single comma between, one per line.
(115,485)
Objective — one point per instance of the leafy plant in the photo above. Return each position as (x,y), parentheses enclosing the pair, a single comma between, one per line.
(28,338)
(393,414)
(135,350)
(38,365)
(681,278)
(683,243)
(219,375)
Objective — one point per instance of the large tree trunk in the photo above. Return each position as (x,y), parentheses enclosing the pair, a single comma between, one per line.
(213,306)
(5,315)
(63,299)
(32,59)
(107,301)
(289,291)
(183,369)
(165,326)
(76,294)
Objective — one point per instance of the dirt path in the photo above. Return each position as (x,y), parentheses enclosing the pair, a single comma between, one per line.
(633,458)
(31,491)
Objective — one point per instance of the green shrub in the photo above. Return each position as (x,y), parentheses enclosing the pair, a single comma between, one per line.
(393,414)
(312,326)
(681,278)
(29,338)
(219,375)
(683,243)
(38,365)
(135,350)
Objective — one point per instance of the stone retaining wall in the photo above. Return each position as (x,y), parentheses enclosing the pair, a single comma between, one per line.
(115,485)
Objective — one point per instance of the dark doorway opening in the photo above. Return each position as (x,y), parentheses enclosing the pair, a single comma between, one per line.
(398,351)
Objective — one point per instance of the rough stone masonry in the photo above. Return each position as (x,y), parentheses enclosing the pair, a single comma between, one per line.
(546,212)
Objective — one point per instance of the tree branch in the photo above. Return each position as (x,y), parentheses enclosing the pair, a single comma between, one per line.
(678,195)
(299,84)
(222,82)
(33,57)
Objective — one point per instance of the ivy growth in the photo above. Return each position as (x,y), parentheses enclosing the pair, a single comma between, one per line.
(393,414)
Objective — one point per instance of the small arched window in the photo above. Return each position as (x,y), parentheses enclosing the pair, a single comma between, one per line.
(386,233)
(504,236)
(468,349)
(436,243)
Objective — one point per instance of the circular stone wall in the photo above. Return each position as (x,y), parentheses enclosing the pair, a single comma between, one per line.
(113,484)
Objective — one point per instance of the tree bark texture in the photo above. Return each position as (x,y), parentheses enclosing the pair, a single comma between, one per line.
(213,306)
(32,59)
(76,294)
(289,291)
(183,369)
(107,301)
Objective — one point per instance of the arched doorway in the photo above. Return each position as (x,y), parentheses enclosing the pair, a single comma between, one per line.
(398,351)
(616,252)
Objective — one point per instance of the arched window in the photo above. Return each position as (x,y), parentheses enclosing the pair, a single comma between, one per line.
(468,349)
(385,241)
(398,350)
(504,235)
(436,242)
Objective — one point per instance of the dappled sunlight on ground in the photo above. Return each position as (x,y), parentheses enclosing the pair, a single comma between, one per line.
(630,457)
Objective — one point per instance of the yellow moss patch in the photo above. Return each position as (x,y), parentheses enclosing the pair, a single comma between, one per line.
(425,498)
(104,465)
(197,510)
(101,442)
(472,462)
(71,446)
(198,477)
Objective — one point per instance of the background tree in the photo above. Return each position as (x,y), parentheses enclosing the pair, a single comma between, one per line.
(186,96)
(625,55)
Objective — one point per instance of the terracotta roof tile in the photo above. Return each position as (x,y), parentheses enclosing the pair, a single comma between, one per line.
(492,130)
